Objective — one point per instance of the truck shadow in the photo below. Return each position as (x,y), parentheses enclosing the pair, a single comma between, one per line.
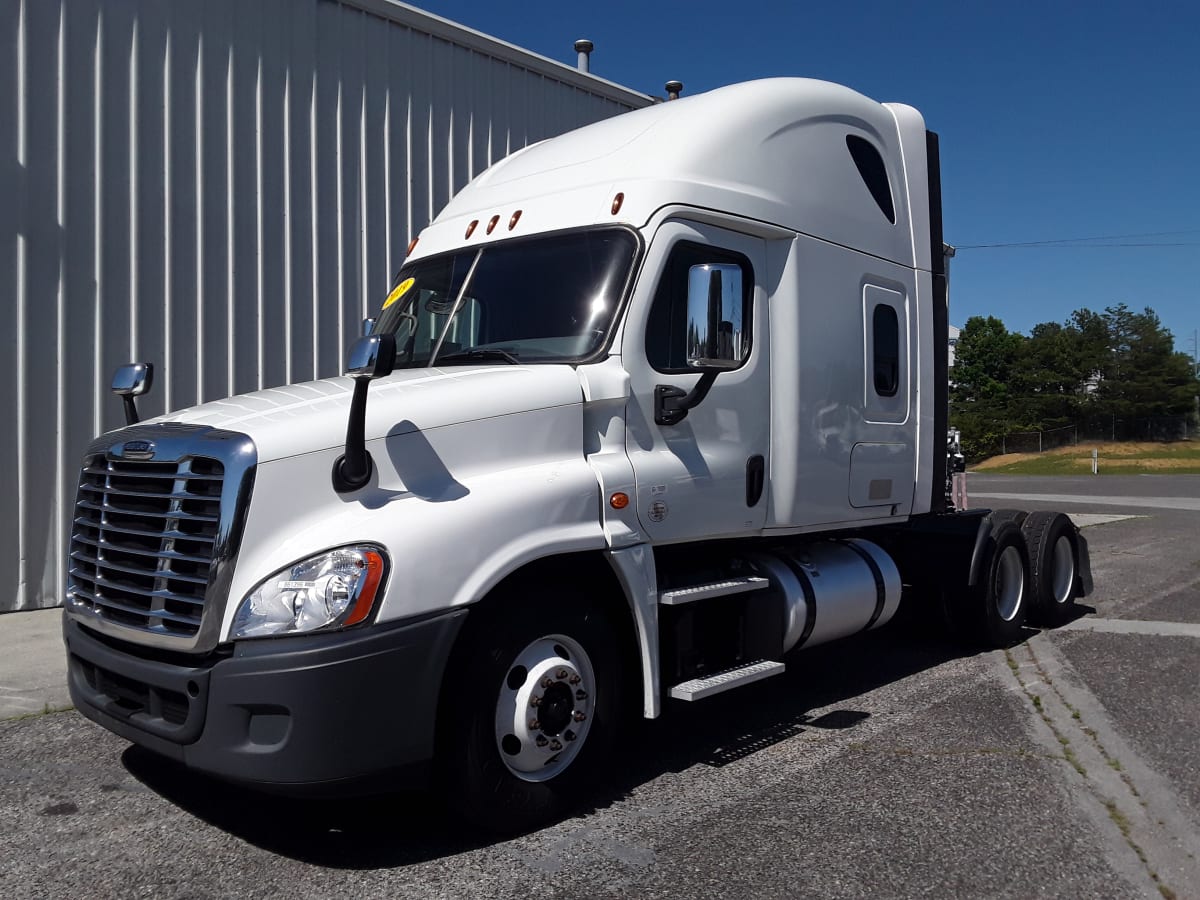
(390,830)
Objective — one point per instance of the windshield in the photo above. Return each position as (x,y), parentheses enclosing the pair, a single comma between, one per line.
(547,299)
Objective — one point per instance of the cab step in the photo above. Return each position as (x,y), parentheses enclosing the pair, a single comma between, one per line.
(699,688)
(680,596)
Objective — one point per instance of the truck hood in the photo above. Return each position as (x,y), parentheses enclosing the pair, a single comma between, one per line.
(309,417)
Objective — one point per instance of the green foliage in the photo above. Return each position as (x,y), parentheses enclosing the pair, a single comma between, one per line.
(1117,363)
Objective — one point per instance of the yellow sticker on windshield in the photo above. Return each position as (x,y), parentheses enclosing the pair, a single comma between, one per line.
(398,291)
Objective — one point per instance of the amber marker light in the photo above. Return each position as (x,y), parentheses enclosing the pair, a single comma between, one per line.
(619,500)
(471,229)
(366,597)
(412,245)
(516,217)
(492,224)
(617,201)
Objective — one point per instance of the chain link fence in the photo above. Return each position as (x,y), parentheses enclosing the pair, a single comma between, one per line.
(1100,428)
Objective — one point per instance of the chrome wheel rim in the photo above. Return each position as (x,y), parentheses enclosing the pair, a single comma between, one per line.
(544,708)
(1010,583)
(1063,569)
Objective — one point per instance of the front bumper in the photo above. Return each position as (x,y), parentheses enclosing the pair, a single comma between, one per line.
(292,713)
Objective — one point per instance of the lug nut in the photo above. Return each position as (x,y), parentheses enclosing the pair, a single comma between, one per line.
(568,735)
(541,740)
(581,694)
(579,716)
(555,745)
(535,700)
(575,679)
(534,725)
(562,673)
(547,682)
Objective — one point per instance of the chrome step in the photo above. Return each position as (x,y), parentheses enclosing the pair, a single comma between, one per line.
(699,688)
(680,596)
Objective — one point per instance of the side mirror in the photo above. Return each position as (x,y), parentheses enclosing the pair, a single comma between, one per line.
(367,325)
(714,317)
(371,357)
(131,381)
(715,337)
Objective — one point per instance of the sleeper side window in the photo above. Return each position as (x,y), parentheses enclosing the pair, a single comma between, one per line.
(885,327)
(873,172)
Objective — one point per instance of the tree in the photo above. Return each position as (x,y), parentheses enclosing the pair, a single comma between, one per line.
(985,366)
(985,361)
(1143,375)
(1118,365)
(1048,375)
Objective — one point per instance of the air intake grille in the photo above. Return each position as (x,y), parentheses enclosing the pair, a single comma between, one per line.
(143,540)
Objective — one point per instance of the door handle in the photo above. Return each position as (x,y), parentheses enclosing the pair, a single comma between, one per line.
(755,475)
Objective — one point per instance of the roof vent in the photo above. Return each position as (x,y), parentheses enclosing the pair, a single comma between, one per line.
(584,48)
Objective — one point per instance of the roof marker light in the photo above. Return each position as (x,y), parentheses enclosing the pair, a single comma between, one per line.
(617,201)
(516,217)
(471,228)
(411,246)
(492,224)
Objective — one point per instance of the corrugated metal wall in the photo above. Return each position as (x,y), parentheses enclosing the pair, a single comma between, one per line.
(223,188)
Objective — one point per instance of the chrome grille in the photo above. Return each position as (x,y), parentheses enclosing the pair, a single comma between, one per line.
(144,540)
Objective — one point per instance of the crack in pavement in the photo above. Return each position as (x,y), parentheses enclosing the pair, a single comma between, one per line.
(1134,805)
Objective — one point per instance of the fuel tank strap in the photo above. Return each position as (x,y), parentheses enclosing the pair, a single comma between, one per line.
(810,598)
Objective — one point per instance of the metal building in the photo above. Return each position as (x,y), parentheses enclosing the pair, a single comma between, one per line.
(223,188)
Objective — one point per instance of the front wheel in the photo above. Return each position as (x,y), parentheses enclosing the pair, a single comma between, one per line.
(531,708)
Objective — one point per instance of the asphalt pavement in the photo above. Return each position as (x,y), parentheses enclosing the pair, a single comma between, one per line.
(891,765)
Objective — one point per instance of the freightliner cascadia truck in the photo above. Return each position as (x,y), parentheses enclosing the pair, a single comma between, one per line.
(649,407)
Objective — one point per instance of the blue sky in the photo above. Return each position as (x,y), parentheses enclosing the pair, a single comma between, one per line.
(1057,120)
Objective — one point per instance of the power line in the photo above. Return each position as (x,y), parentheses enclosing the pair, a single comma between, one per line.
(1096,241)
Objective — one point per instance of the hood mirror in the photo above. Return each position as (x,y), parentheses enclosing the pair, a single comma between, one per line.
(131,381)
(370,357)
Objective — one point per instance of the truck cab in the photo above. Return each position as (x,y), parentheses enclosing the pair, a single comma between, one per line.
(648,407)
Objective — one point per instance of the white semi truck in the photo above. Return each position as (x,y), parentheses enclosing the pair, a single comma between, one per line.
(650,406)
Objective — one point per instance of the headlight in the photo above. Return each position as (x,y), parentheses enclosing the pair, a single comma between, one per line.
(335,589)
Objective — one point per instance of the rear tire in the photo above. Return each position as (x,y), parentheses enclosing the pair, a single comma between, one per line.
(999,600)
(1016,516)
(530,711)
(1054,567)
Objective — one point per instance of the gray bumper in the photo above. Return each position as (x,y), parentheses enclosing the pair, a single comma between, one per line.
(291,713)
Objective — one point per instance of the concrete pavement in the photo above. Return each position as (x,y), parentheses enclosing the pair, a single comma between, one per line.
(33,665)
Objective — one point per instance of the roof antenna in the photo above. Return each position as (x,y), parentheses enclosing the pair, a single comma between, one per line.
(674,89)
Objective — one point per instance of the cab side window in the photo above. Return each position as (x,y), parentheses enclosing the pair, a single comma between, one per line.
(667,327)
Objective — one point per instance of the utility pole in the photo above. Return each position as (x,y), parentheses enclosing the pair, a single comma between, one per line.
(1195,374)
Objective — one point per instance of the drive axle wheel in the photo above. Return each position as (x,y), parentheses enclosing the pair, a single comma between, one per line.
(1001,595)
(1054,566)
(529,710)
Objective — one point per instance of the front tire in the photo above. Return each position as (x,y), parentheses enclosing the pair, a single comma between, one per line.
(531,710)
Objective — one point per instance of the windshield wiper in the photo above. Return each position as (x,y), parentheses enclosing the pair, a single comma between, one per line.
(480,354)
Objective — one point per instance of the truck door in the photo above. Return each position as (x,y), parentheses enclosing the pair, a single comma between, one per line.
(703,476)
